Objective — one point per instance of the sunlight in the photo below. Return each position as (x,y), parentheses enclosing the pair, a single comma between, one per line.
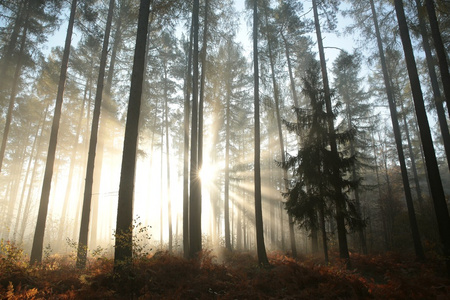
(208,174)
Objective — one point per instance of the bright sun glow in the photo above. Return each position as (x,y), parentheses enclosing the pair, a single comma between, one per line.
(208,174)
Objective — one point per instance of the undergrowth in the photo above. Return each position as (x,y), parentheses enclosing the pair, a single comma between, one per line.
(237,275)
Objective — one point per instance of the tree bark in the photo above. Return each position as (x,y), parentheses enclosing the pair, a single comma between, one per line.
(340,201)
(86,211)
(226,211)
(437,190)
(38,240)
(434,84)
(124,223)
(195,222)
(261,248)
(398,140)
(187,108)
(440,50)
(15,85)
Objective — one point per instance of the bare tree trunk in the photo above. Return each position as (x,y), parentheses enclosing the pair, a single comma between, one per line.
(195,222)
(398,140)
(123,245)
(38,240)
(434,83)
(437,190)
(187,108)
(73,160)
(281,140)
(15,85)
(166,114)
(86,211)
(440,51)
(261,248)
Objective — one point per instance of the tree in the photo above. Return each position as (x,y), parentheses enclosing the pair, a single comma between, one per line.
(124,238)
(434,81)
(398,140)
(356,118)
(33,18)
(38,240)
(311,197)
(440,50)
(276,96)
(84,228)
(339,197)
(186,109)
(195,205)
(260,246)
(437,191)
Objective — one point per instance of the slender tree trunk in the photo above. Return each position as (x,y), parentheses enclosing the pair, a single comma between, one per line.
(38,240)
(412,158)
(280,138)
(340,201)
(434,83)
(440,50)
(360,229)
(73,160)
(187,108)
(226,211)
(324,232)
(86,211)
(124,223)
(6,59)
(380,203)
(166,114)
(195,222)
(291,75)
(25,181)
(261,248)
(201,100)
(398,140)
(437,190)
(15,85)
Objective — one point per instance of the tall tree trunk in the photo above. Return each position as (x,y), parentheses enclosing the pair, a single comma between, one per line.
(261,248)
(291,75)
(226,202)
(360,229)
(25,181)
(340,201)
(437,190)
(412,158)
(324,232)
(86,211)
(398,141)
(434,83)
(440,50)
(6,59)
(201,97)
(280,138)
(166,120)
(187,108)
(15,85)
(380,203)
(73,159)
(195,222)
(38,240)
(124,236)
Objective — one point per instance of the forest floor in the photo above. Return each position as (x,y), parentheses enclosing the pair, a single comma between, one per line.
(236,276)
